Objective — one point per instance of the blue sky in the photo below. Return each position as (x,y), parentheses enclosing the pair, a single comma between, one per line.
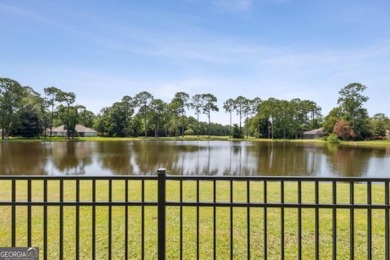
(103,50)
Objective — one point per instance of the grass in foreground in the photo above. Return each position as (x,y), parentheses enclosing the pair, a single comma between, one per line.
(206,215)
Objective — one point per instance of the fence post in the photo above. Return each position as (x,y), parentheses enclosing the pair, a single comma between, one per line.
(161,173)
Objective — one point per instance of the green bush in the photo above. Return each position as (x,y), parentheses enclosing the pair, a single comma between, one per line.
(333,138)
(189,132)
(237,133)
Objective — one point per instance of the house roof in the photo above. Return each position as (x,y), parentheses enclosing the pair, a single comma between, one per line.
(79,129)
(313,132)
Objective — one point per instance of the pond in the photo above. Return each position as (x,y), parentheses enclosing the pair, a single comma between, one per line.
(193,158)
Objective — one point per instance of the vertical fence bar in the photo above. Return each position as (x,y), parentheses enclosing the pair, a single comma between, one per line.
(13,214)
(282,219)
(387,220)
(161,173)
(214,220)
(29,242)
(45,219)
(265,224)
(197,219)
(94,219)
(181,219)
(127,219)
(77,219)
(248,218)
(317,220)
(61,219)
(299,220)
(369,221)
(334,220)
(231,221)
(109,219)
(352,220)
(143,219)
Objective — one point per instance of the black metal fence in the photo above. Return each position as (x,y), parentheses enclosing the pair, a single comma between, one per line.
(201,217)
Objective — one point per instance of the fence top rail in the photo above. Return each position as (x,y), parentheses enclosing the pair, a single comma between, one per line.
(279,178)
(198,177)
(78,177)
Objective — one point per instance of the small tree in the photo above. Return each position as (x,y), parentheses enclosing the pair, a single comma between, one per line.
(343,130)
(378,125)
(237,133)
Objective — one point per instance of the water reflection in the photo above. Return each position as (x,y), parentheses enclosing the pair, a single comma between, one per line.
(346,161)
(70,158)
(22,159)
(193,158)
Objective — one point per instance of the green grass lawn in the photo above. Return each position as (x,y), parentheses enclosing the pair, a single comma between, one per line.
(240,227)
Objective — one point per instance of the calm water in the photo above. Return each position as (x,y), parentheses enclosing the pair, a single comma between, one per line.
(192,158)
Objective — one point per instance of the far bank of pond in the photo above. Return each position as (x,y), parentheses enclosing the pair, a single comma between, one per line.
(182,157)
(383,143)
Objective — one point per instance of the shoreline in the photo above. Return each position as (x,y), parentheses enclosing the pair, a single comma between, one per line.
(378,143)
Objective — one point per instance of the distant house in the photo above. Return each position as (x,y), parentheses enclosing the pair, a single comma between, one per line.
(313,134)
(81,130)
(388,134)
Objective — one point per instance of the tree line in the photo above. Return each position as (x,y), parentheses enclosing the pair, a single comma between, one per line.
(26,113)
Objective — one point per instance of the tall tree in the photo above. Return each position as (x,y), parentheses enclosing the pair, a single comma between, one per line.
(247,110)
(32,117)
(127,105)
(113,121)
(240,103)
(143,100)
(174,113)
(196,104)
(67,112)
(314,112)
(158,109)
(285,117)
(268,109)
(229,106)
(209,101)
(181,101)
(86,118)
(11,93)
(53,95)
(330,120)
(351,101)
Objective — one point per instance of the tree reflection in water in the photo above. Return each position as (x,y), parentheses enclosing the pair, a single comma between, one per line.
(193,158)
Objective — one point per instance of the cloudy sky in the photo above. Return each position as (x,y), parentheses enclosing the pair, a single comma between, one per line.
(103,50)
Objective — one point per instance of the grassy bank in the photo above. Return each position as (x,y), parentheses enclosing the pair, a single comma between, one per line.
(190,218)
(367,143)
(377,143)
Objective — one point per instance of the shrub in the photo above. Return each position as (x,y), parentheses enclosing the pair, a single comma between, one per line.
(189,132)
(332,138)
(237,133)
